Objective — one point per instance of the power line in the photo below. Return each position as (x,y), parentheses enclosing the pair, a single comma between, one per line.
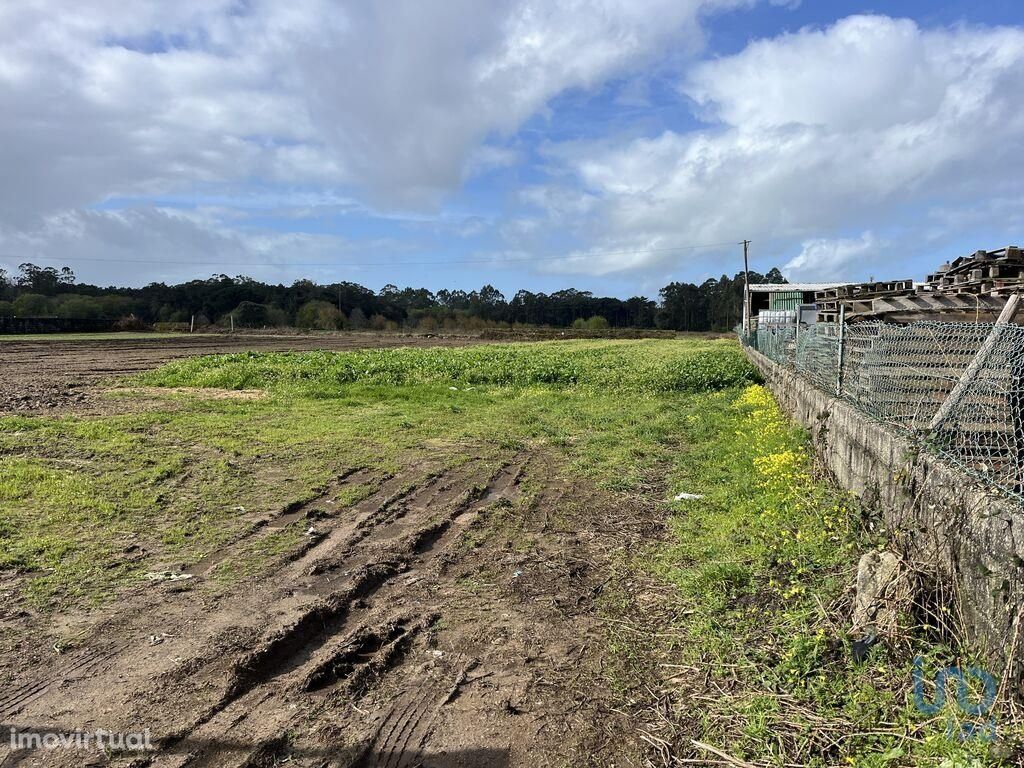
(442,263)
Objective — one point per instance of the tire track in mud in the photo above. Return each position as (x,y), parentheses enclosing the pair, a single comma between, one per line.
(362,526)
(318,652)
(378,539)
(312,509)
(399,739)
(15,699)
(362,651)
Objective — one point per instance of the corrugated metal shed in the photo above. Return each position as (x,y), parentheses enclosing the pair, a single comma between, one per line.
(788,300)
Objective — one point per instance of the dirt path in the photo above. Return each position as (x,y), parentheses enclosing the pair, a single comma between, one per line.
(46,375)
(447,619)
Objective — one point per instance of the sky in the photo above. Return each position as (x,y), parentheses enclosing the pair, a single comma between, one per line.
(611,146)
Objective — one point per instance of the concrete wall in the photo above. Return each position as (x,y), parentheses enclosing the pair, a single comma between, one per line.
(941,519)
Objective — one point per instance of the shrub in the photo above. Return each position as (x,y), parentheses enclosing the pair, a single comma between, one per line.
(357,320)
(249,314)
(321,315)
(29,304)
(78,307)
(130,323)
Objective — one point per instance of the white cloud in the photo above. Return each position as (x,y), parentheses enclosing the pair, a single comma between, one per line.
(396,100)
(172,245)
(394,104)
(832,259)
(871,124)
(865,125)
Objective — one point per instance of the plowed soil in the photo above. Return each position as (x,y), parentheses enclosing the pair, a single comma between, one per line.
(440,621)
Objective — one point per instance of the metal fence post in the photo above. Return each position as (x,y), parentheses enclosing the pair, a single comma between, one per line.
(839,354)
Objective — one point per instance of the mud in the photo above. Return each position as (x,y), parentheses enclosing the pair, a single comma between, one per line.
(447,619)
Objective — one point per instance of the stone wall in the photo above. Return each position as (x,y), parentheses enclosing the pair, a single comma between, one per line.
(939,518)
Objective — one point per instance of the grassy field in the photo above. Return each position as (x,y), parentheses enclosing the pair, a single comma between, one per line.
(750,582)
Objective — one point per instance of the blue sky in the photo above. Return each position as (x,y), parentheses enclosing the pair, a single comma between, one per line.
(537,145)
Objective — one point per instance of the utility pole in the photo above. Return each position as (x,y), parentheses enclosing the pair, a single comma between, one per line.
(746,289)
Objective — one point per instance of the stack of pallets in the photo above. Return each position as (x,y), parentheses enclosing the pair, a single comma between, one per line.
(857,298)
(994,273)
(969,289)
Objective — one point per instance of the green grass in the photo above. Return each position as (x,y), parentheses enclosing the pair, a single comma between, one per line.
(760,568)
(84,497)
(637,366)
(750,577)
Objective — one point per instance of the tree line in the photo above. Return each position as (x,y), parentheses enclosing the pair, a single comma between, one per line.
(714,305)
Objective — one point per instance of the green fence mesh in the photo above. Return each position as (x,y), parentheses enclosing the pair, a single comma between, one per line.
(956,388)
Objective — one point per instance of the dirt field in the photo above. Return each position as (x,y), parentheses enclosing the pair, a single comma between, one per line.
(447,618)
(594,553)
(382,641)
(44,374)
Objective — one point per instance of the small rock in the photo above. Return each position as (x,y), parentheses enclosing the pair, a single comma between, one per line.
(167,576)
(884,590)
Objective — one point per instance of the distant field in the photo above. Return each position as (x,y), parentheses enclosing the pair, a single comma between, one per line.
(113,336)
(486,535)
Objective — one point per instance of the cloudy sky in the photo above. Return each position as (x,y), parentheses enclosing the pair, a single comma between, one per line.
(610,145)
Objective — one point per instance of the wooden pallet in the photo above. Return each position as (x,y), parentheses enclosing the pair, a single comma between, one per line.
(968,273)
(869,290)
(970,288)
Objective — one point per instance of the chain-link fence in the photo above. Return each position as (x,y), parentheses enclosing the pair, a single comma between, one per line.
(957,388)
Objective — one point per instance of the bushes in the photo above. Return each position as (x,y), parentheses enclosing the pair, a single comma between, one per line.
(30,304)
(357,320)
(130,323)
(319,315)
(78,307)
(251,315)
(595,323)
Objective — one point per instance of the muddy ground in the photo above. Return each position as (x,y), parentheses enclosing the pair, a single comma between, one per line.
(453,617)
